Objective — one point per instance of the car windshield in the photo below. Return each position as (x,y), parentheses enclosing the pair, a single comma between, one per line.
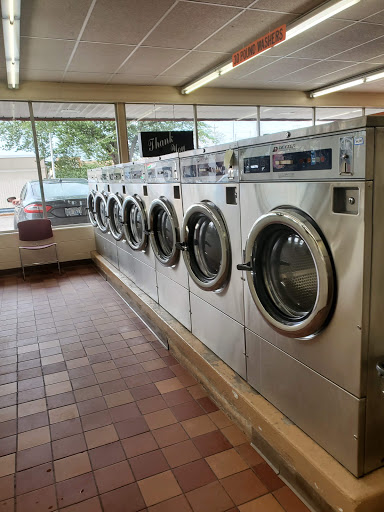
(58,190)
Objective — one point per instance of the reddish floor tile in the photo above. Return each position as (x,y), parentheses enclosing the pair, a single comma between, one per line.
(187,410)
(113,477)
(249,454)
(181,453)
(91,406)
(7,445)
(124,412)
(177,504)
(113,387)
(36,501)
(65,429)
(152,404)
(146,391)
(211,443)
(289,501)
(138,445)
(33,457)
(207,404)
(158,488)
(266,503)
(193,475)
(148,464)
(7,487)
(34,478)
(137,380)
(68,446)
(243,487)
(92,505)
(209,498)
(106,455)
(96,420)
(31,422)
(268,476)
(76,489)
(170,435)
(124,499)
(131,427)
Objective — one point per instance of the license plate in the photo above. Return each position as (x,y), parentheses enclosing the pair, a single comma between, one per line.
(73,212)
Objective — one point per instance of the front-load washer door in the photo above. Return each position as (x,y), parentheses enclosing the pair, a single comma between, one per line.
(115,215)
(101,215)
(290,273)
(206,246)
(91,208)
(135,223)
(164,232)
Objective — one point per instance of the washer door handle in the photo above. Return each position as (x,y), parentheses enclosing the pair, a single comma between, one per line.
(380,368)
(245,266)
(182,246)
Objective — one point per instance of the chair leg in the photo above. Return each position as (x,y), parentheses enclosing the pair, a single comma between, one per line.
(57,258)
(22,265)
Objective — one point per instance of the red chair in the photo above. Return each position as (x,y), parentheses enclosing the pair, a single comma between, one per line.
(35,231)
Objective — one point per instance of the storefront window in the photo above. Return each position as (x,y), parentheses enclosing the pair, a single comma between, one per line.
(278,119)
(328,115)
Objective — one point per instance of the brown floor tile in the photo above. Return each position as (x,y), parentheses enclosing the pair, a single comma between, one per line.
(100,436)
(8,413)
(31,422)
(160,419)
(152,404)
(108,376)
(7,487)
(220,419)
(268,477)
(58,388)
(249,454)
(33,438)
(124,499)
(113,477)
(209,498)
(127,360)
(68,446)
(96,420)
(91,406)
(138,445)
(146,391)
(36,501)
(124,412)
(166,386)
(113,387)
(104,367)
(198,426)
(159,375)
(66,429)
(137,380)
(266,503)
(36,382)
(144,347)
(243,487)
(187,411)
(72,466)
(34,478)
(92,505)
(33,407)
(87,393)
(177,504)
(148,464)
(226,463)
(170,434)
(119,398)
(54,402)
(181,453)
(128,371)
(76,489)
(7,445)
(29,395)
(33,457)
(197,391)
(9,400)
(158,488)
(84,382)
(289,501)
(193,475)
(106,455)
(67,412)
(234,435)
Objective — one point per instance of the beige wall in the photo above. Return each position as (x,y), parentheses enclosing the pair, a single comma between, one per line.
(73,243)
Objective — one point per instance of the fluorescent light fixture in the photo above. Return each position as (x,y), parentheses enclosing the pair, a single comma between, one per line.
(10,12)
(309,20)
(376,76)
(339,87)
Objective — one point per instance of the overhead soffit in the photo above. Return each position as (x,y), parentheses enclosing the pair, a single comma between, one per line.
(167,42)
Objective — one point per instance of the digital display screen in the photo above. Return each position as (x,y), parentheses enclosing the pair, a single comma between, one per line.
(312,160)
(257,164)
(189,171)
(207,169)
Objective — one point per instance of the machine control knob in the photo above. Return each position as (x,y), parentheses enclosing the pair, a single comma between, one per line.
(345,156)
(351,200)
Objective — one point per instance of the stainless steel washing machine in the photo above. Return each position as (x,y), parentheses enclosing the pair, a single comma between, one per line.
(136,259)
(165,218)
(211,242)
(105,243)
(311,210)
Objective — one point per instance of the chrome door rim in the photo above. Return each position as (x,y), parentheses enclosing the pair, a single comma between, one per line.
(212,212)
(129,202)
(90,208)
(112,200)
(157,205)
(311,324)
(99,197)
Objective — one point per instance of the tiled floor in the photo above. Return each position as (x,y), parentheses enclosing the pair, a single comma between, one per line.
(96,416)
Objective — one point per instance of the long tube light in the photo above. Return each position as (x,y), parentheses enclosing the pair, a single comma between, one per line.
(352,82)
(10,12)
(314,17)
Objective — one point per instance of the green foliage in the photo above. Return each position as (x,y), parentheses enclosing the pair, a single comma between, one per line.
(76,142)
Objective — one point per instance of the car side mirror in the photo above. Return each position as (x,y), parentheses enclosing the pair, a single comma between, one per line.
(10,199)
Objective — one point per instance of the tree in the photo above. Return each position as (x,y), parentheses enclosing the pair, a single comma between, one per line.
(83,145)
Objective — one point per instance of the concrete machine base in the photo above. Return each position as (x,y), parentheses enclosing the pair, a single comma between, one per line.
(315,475)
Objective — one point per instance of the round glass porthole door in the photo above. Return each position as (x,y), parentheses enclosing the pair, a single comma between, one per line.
(135,223)
(164,232)
(101,212)
(91,208)
(290,273)
(206,246)
(115,215)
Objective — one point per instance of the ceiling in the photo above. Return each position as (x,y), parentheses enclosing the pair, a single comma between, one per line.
(170,42)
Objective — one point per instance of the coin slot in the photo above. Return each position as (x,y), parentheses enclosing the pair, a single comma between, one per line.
(176,192)
(124,192)
(231,195)
(145,190)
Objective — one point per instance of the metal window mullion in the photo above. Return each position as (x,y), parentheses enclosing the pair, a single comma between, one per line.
(258,128)
(121,132)
(32,118)
(195,128)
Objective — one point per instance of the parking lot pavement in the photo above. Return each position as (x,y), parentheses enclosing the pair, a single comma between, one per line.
(6,222)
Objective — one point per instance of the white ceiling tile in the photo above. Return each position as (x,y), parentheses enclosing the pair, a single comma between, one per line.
(89,78)
(341,41)
(46,54)
(151,61)
(294,6)
(175,81)
(361,10)
(96,57)
(188,24)
(196,63)
(244,29)
(318,70)
(374,87)
(234,3)
(124,21)
(376,18)
(278,69)
(371,50)
(344,73)
(59,19)
(132,79)
(40,75)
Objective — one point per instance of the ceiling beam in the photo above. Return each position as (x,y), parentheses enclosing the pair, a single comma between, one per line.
(99,93)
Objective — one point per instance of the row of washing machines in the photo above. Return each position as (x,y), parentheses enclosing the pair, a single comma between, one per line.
(267,251)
